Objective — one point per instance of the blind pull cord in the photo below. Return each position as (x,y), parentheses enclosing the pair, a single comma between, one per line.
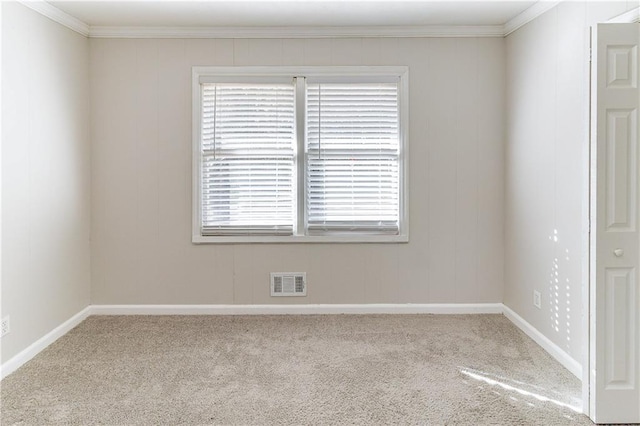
(319,121)
(215,115)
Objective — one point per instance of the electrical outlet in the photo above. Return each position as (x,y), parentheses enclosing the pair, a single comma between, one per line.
(5,326)
(537,302)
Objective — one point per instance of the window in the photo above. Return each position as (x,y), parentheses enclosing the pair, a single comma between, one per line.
(300,154)
(247,159)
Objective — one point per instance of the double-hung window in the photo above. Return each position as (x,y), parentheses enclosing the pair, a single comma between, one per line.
(300,154)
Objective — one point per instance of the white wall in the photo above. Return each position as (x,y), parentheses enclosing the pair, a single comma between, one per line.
(45,175)
(141,178)
(546,196)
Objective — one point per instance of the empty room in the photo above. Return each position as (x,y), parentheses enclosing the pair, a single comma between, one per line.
(320,212)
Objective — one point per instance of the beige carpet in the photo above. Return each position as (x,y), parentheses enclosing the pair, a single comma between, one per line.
(343,369)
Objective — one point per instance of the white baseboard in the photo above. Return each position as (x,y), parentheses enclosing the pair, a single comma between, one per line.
(554,350)
(35,348)
(381,308)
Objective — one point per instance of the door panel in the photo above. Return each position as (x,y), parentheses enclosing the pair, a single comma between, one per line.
(615,240)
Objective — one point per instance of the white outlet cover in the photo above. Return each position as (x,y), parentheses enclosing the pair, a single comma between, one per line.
(537,301)
(5,326)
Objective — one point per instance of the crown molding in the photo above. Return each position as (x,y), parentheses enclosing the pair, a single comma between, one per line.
(629,17)
(523,18)
(528,15)
(57,15)
(296,32)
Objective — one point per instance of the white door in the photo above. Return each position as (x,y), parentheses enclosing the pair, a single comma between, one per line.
(615,218)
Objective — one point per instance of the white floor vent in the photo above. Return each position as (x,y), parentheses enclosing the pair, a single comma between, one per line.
(288,284)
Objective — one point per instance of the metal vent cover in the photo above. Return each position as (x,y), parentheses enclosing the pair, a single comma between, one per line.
(288,284)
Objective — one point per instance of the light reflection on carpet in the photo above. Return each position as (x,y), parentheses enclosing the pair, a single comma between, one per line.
(484,377)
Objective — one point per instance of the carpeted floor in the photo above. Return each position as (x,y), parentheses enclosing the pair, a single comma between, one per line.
(340,369)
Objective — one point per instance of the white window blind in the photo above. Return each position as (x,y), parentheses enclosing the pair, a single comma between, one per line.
(247,159)
(352,158)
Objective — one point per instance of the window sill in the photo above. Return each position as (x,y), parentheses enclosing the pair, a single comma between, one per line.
(338,239)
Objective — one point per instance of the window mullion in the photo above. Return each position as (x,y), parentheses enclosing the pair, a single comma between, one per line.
(300,157)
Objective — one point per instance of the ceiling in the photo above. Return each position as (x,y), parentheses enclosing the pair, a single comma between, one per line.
(283,13)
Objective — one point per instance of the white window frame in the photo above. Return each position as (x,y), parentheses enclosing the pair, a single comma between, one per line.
(335,73)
